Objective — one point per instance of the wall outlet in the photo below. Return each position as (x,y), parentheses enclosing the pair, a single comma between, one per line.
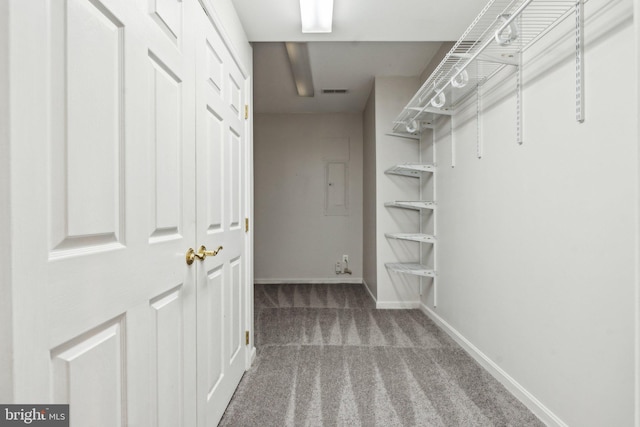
(345,260)
(338,267)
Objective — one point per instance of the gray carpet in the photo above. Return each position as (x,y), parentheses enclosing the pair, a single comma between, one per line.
(327,357)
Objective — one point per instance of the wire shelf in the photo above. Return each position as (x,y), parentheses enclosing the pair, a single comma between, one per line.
(414,269)
(412,136)
(413,237)
(417,205)
(411,169)
(496,38)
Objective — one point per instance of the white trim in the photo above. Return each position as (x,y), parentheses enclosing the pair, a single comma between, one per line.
(636,21)
(6,304)
(320,281)
(252,357)
(248,213)
(534,405)
(364,282)
(397,305)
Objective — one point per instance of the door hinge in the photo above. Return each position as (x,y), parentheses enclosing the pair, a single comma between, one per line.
(246,111)
(246,225)
(246,337)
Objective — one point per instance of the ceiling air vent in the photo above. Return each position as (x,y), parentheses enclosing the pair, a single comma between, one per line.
(334,91)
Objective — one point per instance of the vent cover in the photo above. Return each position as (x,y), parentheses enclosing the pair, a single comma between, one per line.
(334,90)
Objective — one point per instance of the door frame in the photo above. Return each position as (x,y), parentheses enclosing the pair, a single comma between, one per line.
(249,305)
(6,318)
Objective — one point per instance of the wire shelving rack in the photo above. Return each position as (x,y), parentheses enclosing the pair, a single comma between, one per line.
(495,39)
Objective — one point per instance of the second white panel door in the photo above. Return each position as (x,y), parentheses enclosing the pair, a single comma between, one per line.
(220,283)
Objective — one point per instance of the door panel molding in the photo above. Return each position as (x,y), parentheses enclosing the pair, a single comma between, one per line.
(167,357)
(95,357)
(166,123)
(86,74)
(217,25)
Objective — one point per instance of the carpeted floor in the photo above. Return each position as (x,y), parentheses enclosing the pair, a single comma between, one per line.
(327,357)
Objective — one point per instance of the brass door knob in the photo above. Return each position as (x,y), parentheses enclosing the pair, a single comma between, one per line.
(202,253)
(190,256)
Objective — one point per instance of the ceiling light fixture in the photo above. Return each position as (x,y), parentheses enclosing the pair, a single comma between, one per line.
(316,15)
(300,67)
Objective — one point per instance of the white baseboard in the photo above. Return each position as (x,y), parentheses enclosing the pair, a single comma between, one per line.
(534,405)
(357,280)
(397,305)
(366,286)
(390,305)
(252,357)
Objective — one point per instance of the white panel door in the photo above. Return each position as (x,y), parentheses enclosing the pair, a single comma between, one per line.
(103,208)
(169,316)
(221,288)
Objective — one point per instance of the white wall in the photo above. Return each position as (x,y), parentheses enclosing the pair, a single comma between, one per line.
(445,47)
(537,244)
(294,240)
(394,290)
(369,244)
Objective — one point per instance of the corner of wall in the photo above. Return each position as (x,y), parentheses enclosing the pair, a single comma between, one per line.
(366,286)
(369,256)
(391,95)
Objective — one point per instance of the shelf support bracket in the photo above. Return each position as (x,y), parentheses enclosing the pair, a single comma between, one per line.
(519,138)
(434,250)
(519,83)
(453,143)
(478,122)
(580,61)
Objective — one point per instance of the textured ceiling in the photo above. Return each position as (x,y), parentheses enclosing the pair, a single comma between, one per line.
(336,65)
(361,20)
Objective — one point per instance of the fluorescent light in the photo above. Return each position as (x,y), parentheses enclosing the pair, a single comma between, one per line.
(300,67)
(317,15)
